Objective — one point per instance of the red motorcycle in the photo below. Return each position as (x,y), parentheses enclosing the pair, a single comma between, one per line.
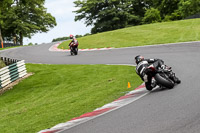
(73,48)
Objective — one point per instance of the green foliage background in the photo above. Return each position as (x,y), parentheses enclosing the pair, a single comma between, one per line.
(106,15)
(23,18)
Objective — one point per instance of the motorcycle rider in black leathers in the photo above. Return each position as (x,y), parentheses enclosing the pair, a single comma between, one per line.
(146,75)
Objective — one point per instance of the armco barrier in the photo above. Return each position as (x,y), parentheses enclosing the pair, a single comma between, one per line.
(5,45)
(12,72)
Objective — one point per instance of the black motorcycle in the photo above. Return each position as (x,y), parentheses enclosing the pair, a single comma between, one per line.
(164,77)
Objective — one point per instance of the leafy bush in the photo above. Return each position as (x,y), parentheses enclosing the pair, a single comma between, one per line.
(30,44)
(152,15)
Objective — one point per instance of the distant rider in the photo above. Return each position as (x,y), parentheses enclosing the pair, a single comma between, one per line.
(74,42)
(144,73)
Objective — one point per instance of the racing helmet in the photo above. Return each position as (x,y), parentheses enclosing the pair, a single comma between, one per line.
(138,59)
(71,36)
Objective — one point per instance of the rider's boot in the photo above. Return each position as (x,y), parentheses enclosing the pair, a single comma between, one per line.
(178,81)
(175,79)
(153,84)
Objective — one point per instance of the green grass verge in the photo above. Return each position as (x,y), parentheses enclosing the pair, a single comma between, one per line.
(58,93)
(158,33)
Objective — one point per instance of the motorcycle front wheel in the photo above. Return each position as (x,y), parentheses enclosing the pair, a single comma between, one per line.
(76,51)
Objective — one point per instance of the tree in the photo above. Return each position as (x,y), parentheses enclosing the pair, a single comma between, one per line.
(4,4)
(139,7)
(25,18)
(167,7)
(188,7)
(106,15)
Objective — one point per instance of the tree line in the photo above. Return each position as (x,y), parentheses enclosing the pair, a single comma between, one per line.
(106,15)
(23,18)
(67,38)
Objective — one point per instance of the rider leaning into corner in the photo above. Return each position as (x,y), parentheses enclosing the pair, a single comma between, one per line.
(74,41)
(143,72)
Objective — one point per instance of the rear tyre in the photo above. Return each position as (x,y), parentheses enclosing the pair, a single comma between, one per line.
(164,81)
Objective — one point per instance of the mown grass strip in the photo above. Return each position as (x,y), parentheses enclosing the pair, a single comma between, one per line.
(58,93)
(158,33)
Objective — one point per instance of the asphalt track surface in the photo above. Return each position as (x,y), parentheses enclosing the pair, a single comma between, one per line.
(161,111)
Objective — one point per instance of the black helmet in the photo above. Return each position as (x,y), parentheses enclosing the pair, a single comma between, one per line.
(138,59)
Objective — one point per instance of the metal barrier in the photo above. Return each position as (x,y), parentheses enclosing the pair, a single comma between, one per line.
(5,45)
(12,72)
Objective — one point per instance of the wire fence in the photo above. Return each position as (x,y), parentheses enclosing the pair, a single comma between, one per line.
(5,45)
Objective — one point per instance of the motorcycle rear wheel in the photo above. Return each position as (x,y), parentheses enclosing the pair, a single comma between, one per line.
(162,79)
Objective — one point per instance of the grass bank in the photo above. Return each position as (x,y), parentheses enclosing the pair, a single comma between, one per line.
(158,33)
(58,93)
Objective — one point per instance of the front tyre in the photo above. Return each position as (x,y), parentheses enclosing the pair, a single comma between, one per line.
(76,51)
(71,52)
(163,80)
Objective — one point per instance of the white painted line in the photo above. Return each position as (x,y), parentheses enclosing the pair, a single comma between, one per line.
(155,45)
(54,48)
(121,64)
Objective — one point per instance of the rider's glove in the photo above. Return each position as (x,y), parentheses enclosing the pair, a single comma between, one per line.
(163,67)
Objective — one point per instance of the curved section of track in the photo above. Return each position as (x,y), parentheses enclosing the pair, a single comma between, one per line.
(161,111)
